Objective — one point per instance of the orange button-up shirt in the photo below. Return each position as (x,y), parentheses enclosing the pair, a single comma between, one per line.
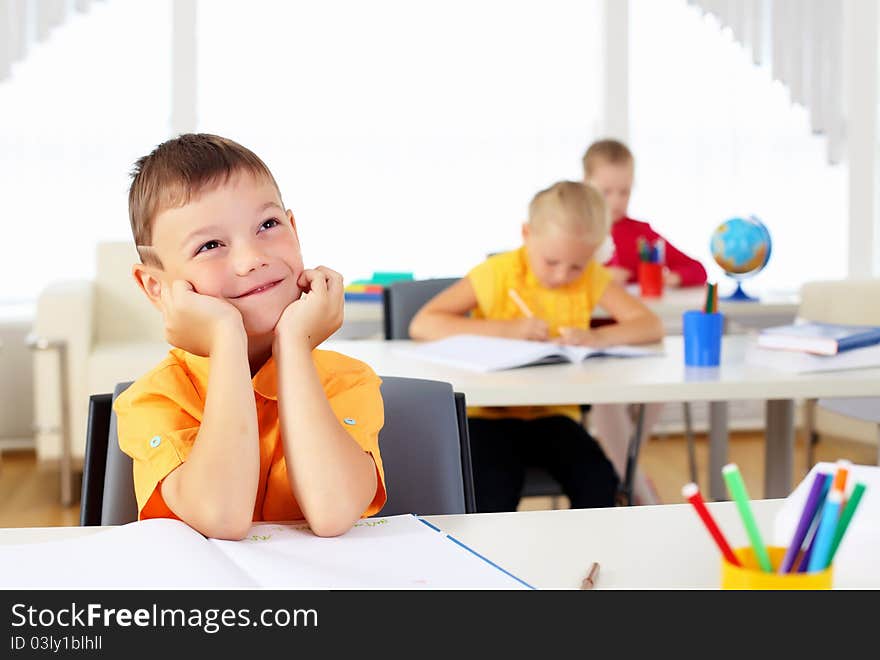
(159,417)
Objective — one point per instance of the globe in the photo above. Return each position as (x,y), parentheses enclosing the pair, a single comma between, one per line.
(741,246)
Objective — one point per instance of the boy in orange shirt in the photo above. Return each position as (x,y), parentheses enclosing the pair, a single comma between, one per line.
(244,420)
(557,278)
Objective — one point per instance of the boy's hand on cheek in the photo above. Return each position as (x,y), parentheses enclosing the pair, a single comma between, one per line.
(194,321)
(318,312)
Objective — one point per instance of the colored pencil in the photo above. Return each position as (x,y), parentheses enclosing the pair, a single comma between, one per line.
(691,492)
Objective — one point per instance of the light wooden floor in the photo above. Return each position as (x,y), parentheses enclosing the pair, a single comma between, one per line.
(29,495)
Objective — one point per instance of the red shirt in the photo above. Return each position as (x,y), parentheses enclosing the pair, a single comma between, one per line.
(626,233)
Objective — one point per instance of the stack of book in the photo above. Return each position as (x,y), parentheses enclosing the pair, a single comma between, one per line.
(807,346)
(371,290)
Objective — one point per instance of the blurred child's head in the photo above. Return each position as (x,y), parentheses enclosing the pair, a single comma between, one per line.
(567,223)
(206,210)
(609,166)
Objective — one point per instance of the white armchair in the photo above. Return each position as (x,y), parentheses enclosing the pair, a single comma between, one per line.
(109,333)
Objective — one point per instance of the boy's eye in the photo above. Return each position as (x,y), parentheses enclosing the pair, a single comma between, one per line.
(210,245)
(268,224)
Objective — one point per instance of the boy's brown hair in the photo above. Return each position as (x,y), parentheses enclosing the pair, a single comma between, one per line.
(178,170)
(572,206)
(607,151)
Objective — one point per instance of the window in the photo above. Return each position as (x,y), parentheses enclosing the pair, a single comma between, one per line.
(714,137)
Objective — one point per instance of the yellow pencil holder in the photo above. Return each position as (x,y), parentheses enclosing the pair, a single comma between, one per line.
(750,575)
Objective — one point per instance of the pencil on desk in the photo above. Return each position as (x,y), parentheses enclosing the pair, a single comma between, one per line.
(514,296)
(691,492)
(737,489)
(590,581)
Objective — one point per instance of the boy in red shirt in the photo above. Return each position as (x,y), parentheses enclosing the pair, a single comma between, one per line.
(609,166)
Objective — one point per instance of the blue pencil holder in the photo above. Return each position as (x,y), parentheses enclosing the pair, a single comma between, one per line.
(702,338)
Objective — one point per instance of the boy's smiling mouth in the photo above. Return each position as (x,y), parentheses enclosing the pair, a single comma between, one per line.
(258,289)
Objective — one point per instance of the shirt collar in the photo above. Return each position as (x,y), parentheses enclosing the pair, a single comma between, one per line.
(265,381)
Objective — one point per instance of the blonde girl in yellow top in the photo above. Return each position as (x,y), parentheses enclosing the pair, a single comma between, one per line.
(546,290)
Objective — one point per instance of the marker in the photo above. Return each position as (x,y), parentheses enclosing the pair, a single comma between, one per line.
(845,519)
(740,495)
(821,555)
(691,492)
(811,508)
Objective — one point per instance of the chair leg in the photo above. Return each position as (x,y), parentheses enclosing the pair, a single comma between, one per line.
(691,443)
(811,438)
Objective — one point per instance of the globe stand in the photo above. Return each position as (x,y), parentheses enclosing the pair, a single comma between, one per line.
(739,295)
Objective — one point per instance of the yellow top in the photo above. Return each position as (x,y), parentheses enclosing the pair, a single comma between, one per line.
(567,306)
(160,414)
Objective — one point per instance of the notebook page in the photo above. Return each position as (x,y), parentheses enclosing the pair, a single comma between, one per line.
(396,552)
(579,353)
(150,554)
(478,353)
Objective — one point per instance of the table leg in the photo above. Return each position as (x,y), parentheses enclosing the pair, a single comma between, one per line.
(632,457)
(779,448)
(717,449)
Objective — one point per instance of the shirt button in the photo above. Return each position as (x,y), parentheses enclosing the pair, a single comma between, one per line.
(349,421)
(155,440)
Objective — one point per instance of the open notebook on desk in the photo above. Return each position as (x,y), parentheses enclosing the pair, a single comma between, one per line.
(480,353)
(395,552)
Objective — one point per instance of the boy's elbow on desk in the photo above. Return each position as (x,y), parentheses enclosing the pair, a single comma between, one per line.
(220,525)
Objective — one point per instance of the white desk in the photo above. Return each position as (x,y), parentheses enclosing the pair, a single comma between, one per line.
(647,547)
(646,380)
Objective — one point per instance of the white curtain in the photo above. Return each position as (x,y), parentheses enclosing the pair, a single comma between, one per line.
(802,42)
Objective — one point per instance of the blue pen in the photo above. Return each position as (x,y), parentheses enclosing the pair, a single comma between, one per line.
(825,532)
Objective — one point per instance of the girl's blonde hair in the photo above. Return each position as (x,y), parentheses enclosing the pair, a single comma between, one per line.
(572,206)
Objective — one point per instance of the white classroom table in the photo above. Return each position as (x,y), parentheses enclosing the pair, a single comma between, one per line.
(646,380)
(554,549)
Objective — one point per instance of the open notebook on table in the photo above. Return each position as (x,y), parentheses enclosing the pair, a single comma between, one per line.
(395,552)
(479,353)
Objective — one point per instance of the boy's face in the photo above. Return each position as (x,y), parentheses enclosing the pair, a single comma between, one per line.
(233,242)
(615,182)
(557,257)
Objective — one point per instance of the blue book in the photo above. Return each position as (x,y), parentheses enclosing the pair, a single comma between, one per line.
(819,338)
